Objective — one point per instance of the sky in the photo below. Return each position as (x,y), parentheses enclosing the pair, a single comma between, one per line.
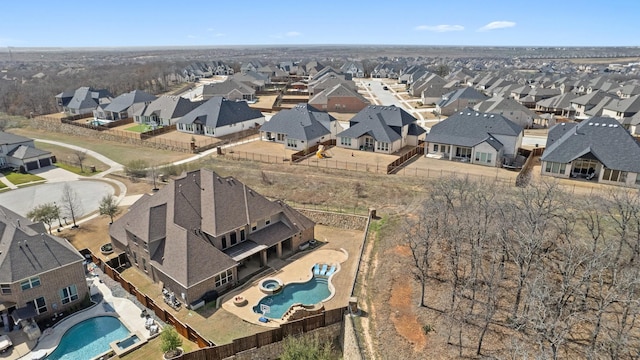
(117,23)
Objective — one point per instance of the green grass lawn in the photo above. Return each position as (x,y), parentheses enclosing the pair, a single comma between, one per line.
(140,128)
(66,158)
(76,170)
(17,178)
(2,185)
(151,350)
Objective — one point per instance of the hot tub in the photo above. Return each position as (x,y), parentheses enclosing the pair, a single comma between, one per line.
(270,286)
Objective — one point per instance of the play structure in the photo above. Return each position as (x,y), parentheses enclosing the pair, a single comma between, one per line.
(322,152)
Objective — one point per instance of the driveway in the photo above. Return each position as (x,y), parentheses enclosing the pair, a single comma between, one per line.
(89,192)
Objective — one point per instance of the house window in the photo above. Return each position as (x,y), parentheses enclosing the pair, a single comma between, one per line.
(292,143)
(30,283)
(614,175)
(555,168)
(224,277)
(135,258)
(435,147)
(280,137)
(5,289)
(254,226)
(40,305)
(382,146)
(69,294)
(463,152)
(345,141)
(482,157)
(582,166)
(234,238)
(224,242)
(242,235)
(267,222)
(146,246)
(144,264)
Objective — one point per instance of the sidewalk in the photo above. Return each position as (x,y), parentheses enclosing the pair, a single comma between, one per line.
(9,184)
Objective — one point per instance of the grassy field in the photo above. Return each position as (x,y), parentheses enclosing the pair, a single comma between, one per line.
(67,159)
(17,178)
(140,128)
(119,152)
(2,185)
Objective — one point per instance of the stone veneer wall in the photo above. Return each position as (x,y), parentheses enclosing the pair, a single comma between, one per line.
(338,220)
(273,351)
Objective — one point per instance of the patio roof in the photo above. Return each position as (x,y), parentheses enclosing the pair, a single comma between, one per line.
(5,305)
(24,313)
(244,250)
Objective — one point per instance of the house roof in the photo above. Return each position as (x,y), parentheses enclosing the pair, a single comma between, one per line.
(338,90)
(87,98)
(10,139)
(375,127)
(218,111)
(124,101)
(27,152)
(469,128)
(627,105)
(302,122)
(592,98)
(227,87)
(467,93)
(392,115)
(499,105)
(562,101)
(167,107)
(180,220)
(27,250)
(602,137)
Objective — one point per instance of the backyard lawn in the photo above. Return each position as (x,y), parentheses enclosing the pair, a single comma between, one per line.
(140,128)
(17,178)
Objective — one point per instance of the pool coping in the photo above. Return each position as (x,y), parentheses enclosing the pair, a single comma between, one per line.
(299,270)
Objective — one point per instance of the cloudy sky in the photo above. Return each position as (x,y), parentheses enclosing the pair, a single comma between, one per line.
(72,23)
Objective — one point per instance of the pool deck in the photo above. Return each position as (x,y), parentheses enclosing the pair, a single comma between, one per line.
(123,309)
(298,271)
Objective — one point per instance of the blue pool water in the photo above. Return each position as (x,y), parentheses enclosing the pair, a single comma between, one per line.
(89,338)
(128,342)
(309,293)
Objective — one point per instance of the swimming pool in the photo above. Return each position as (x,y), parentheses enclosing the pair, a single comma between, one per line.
(89,338)
(308,293)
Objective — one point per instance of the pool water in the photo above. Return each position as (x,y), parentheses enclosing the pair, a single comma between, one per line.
(270,284)
(309,293)
(128,342)
(89,338)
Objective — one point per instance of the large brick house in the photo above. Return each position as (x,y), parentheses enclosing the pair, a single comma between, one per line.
(40,274)
(205,232)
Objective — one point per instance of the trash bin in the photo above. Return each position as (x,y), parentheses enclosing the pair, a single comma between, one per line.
(92,168)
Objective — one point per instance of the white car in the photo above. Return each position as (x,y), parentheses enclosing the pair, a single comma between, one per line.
(5,343)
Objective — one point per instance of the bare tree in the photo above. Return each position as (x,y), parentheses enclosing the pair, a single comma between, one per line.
(80,156)
(71,203)
(421,234)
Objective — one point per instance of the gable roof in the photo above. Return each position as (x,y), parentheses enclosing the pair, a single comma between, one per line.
(603,137)
(86,98)
(10,139)
(467,93)
(627,105)
(469,128)
(218,111)
(302,122)
(27,250)
(392,115)
(226,87)
(124,101)
(383,123)
(27,152)
(338,90)
(167,107)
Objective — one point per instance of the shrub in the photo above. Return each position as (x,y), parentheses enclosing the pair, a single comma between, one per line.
(136,168)
(170,341)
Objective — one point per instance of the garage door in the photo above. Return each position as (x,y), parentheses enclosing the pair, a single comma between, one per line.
(32,165)
(45,162)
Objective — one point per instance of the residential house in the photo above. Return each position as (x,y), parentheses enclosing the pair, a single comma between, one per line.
(339,98)
(433,92)
(353,68)
(231,89)
(384,70)
(632,124)
(384,129)
(622,108)
(253,79)
(459,99)
(252,65)
(300,127)
(83,100)
(20,152)
(585,103)
(219,117)
(205,232)
(510,109)
(406,74)
(40,275)
(628,91)
(164,111)
(558,105)
(428,80)
(597,148)
(535,95)
(475,137)
(122,106)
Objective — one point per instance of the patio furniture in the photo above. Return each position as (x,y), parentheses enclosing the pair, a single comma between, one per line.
(331,271)
(324,269)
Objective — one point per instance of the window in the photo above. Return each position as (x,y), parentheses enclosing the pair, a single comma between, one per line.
(382,146)
(40,304)
(135,258)
(144,264)
(292,142)
(224,277)
(463,152)
(482,157)
(254,226)
(146,246)
(582,166)
(242,236)
(69,294)
(30,283)
(280,137)
(435,147)
(555,168)
(224,242)
(267,222)
(5,289)
(614,175)
(345,141)
(234,238)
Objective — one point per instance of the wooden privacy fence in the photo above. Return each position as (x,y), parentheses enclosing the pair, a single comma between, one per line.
(183,329)
(326,318)
(397,163)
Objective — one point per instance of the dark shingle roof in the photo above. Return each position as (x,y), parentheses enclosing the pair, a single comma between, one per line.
(469,128)
(27,152)
(303,122)
(603,137)
(124,101)
(218,112)
(464,93)
(27,250)
(383,123)
(9,139)
(168,107)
